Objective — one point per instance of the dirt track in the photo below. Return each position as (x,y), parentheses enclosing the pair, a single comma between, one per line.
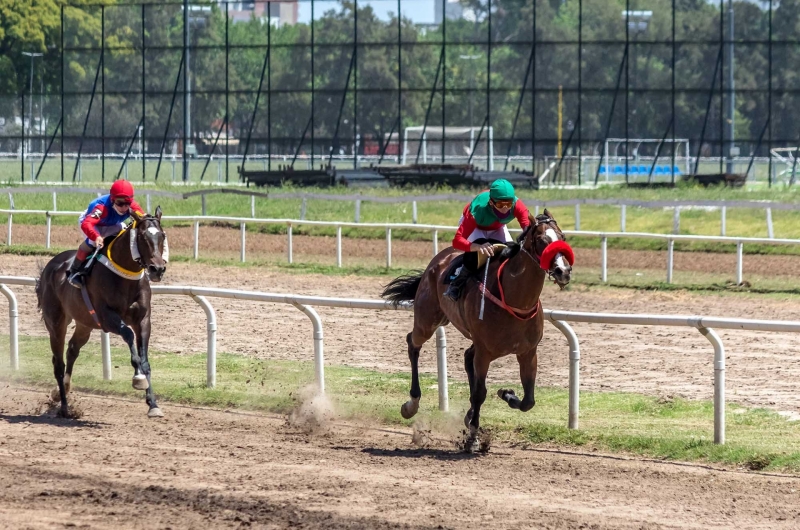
(200,467)
(213,469)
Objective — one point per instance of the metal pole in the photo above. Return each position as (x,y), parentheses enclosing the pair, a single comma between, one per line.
(719,384)
(604,259)
(739,262)
(196,252)
(676,220)
(574,371)
(186,88)
(577,217)
(243,245)
(105,352)
(289,243)
(211,340)
(435,242)
(670,258)
(622,216)
(339,246)
(388,248)
(731,89)
(770,233)
(13,327)
(47,232)
(723,219)
(441,368)
(319,352)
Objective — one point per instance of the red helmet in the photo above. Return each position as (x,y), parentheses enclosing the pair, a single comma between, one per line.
(121,189)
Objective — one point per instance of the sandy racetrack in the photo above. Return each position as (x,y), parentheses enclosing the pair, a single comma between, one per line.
(223,469)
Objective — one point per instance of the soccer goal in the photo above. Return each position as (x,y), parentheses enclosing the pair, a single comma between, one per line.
(634,157)
(457,143)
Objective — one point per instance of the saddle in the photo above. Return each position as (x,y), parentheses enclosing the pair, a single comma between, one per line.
(88,265)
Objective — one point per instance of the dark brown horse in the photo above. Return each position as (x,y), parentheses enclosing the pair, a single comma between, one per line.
(120,299)
(512,316)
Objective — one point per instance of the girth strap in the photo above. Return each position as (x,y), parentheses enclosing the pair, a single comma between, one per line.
(89,306)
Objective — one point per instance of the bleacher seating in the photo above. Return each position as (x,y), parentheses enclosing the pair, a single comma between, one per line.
(637,170)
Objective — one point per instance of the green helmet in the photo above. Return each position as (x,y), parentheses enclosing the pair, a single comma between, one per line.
(500,190)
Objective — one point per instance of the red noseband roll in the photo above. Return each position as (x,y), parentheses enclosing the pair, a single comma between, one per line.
(554,248)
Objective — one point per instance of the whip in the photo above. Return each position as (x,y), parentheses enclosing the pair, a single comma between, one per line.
(483,291)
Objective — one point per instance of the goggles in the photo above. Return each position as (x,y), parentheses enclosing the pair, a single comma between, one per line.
(122,202)
(504,203)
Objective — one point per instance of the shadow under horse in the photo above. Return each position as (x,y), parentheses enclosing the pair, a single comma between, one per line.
(118,290)
(512,319)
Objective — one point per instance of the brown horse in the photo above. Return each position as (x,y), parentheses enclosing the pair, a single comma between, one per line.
(512,320)
(120,298)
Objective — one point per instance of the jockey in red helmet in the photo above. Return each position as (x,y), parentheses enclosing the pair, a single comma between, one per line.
(485,218)
(104,217)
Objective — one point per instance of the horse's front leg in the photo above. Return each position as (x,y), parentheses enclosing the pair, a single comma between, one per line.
(527,373)
(113,323)
(477,395)
(142,331)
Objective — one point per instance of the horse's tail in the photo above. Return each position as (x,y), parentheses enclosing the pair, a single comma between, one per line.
(39,285)
(403,288)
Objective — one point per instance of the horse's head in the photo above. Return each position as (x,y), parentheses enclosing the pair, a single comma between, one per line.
(149,244)
(545,240)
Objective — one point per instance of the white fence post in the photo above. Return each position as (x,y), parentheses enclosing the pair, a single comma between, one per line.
(441,368)
(243,243)
(303,209)
(105,353)
(435,242)
(8,231)
(622,220)
(13,327)
(289,256)
(577,217)
(196,252)
(148,203)
(388,248)
(739,262)
(414,212)
(358,211)
(253,206)
(339,246)
(670,258)
(49,222)
(719,383)
(319,353)
(211,340)
(770,232)
(574,371)
(203,203)
(676,220)
(604,259)
(723,220)
(55,202)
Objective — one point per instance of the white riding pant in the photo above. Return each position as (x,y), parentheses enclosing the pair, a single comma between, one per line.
(501,234)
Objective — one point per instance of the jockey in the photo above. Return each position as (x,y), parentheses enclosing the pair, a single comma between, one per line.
(485,217)
(104,217)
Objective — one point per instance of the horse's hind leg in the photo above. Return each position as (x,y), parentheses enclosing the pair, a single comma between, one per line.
(527,374)
(79,338)
(415,340)
(57,328)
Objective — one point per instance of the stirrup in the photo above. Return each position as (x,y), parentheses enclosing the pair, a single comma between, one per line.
(453,293)
(75,279)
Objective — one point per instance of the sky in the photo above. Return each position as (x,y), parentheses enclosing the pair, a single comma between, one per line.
(419,11)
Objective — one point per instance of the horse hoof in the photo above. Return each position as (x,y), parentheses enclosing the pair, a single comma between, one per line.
(468,418)
(409,409)
(55,395)
(471,444)
(505,394)
(140,382)
(155,412)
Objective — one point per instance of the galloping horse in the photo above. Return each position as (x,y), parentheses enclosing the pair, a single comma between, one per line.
(512,318)
(118,295)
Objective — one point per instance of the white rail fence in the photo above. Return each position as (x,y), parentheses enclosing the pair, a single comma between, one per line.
(434,229)
(705,325)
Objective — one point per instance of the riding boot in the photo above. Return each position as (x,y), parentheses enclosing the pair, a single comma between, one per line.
(453,291)
(75,274)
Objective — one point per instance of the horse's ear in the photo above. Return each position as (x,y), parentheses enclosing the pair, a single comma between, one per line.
(547,213)
(158,212)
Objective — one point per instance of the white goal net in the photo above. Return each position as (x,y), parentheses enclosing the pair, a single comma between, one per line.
(457,143)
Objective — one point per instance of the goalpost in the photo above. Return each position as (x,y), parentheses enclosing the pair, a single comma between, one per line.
(651,146)
(460,143)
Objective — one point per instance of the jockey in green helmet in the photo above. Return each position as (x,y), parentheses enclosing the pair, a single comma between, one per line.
(486,218)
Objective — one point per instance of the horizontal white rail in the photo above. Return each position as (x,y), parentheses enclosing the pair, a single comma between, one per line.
(196,220)
(705,325)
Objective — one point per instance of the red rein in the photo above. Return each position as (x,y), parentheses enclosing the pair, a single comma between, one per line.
(545,260)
